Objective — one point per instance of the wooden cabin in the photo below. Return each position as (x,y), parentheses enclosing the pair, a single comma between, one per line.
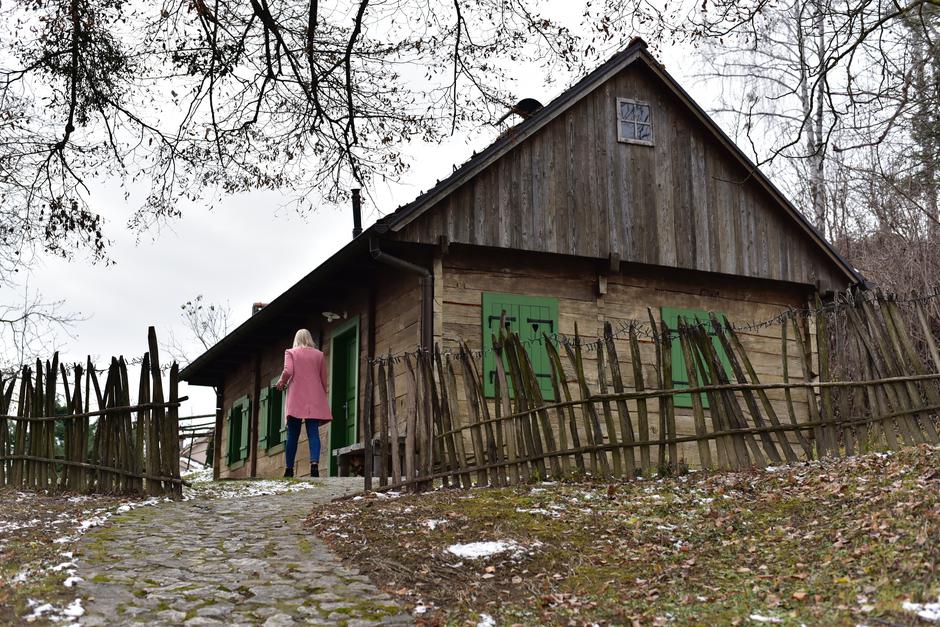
(619,196)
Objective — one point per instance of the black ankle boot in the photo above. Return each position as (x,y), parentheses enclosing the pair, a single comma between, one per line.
(288,472)
(314,470)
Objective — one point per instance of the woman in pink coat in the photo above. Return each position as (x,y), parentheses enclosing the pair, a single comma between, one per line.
(304,377)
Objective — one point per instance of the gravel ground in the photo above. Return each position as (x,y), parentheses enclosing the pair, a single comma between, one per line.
(233,553)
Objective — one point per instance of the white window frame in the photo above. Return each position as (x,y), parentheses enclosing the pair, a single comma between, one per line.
(630,140)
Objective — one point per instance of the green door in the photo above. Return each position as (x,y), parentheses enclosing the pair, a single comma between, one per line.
(344,379)
(350,404)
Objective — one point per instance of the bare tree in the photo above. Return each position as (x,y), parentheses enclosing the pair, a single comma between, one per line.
(207,96)
(812,83)
(204,325)
(30,325)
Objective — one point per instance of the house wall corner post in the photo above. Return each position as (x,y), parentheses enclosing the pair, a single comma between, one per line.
(255,410)
(217,436)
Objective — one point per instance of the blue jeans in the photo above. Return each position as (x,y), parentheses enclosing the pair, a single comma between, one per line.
(293,436)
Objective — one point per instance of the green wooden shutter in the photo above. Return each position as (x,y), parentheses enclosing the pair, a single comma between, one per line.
(530,317)
(263,419)
(245,418)
(680,374)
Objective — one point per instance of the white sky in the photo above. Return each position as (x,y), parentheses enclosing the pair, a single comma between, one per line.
(249,249)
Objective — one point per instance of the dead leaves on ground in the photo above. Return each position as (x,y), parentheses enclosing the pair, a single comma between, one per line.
(834,542)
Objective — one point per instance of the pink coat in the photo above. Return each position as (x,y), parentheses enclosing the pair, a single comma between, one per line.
(306,380)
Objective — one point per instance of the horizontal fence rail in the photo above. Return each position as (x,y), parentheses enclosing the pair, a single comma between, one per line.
(851,376)
(52,439)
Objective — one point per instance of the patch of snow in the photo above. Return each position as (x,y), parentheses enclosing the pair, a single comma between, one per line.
(476,550)
(757,618)
(71,581)
(38,610)
(74,609)
(420,608)
(6,527)
(433,524)
(94,521)
(62,566)
(536,510)
(241,489)
(486,621)
(50,612)
(927,611)
(204,474)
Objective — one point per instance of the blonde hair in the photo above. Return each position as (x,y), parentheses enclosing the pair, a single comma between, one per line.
(303,338)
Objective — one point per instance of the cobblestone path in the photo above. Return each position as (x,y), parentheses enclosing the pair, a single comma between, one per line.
(226,561)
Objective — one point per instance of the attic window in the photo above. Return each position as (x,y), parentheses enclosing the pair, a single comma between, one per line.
(634,123)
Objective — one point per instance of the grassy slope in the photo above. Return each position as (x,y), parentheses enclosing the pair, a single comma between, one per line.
(834,542)
(30,524)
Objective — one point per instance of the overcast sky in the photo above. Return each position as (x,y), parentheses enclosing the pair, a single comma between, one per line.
(250,248)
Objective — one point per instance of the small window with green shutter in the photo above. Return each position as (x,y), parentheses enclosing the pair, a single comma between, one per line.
(272,428)
(238,417)
(234,433)
(680,374)
(530,317)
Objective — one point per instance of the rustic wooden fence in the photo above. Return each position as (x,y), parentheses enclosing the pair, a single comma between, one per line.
(444,429)
(71,433)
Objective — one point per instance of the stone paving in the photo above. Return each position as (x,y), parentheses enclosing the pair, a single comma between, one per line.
(226,561)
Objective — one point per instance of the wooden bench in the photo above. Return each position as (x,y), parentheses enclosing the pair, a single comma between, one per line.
(350,460)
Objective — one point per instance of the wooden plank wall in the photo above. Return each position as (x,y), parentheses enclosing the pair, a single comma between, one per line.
(629,293)
(398,329)
(574,189)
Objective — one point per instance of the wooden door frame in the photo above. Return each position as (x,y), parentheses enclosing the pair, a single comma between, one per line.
(350,325)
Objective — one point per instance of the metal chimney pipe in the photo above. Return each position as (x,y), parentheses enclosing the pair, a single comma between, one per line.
(357,213)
